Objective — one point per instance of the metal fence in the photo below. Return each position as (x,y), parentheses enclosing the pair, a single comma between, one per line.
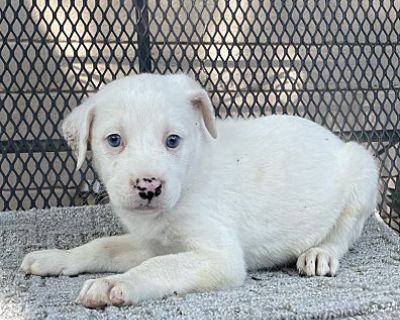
(335,62)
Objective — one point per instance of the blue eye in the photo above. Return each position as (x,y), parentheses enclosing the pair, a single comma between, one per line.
(172,141)
(114,140)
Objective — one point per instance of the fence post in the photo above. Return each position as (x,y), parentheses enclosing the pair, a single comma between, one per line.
(142,28)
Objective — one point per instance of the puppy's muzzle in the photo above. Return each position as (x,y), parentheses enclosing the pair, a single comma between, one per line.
(148,188)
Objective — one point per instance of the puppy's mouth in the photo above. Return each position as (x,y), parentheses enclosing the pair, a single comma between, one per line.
(138,206)
(146,207)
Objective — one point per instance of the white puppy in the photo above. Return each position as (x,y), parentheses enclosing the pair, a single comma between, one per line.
(200,210)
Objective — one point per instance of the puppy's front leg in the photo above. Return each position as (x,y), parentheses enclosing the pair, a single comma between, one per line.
(112,254)
(165,275)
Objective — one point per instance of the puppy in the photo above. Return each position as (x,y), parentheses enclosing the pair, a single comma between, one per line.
(202,210)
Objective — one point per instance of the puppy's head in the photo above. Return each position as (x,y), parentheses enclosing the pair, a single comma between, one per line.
(145,133)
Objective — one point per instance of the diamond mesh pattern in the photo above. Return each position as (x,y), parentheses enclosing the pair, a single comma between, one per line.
(335,62)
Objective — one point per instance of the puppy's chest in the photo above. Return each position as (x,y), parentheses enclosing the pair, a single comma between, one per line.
(167,242)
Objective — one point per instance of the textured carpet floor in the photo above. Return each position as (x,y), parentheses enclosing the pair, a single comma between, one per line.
(367,286)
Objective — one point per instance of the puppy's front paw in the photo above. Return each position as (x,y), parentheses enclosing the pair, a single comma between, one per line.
(48,263)
(113,290)
(317,261)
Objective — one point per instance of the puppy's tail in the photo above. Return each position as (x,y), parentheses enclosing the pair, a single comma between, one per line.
(361,174)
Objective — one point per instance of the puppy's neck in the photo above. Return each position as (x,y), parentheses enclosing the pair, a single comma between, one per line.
(142,223)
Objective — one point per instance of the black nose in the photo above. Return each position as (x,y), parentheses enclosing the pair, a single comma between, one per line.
(148,187)
(147,195)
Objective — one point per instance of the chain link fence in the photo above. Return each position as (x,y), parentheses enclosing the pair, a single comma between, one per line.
(335,62)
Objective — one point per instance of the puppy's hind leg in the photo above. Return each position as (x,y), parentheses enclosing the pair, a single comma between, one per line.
(359,172)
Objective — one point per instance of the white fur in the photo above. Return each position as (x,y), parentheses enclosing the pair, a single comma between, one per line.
(264,193)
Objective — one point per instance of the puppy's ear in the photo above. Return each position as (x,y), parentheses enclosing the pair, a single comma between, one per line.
(199,99)
(76,130)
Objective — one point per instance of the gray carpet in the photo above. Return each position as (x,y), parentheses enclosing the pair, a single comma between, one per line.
(367,286)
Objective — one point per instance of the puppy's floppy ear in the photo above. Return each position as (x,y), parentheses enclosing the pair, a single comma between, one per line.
(76,130)
(199,99)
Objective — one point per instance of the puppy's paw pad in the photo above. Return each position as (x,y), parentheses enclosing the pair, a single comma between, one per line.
(317,261)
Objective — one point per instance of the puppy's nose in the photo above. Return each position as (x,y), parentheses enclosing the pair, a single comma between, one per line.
(148,187)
